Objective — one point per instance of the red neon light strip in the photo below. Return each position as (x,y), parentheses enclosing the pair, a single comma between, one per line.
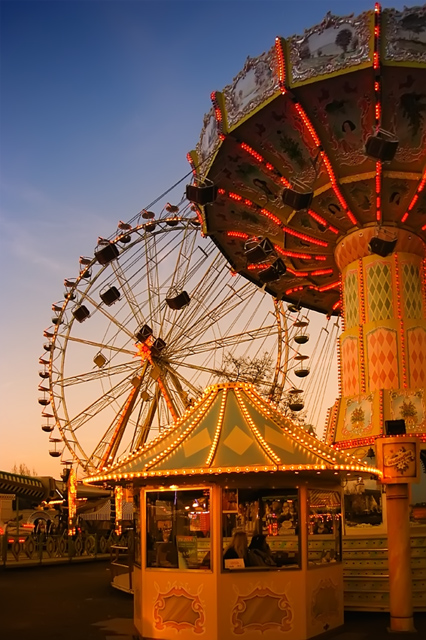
(322,221)
(258,267)
(325,287)
(295,254)
(191,164)
(238,234)
(281,63)
(377,16)
(268,214)
(378,190)
(257,156)
(308,124)
(306,274)
(336,189)
(415,198)
(217,111)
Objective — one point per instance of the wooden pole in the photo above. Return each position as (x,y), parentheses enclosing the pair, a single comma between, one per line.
(399,555)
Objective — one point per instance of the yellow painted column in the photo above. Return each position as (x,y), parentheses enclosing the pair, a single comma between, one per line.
(399,557)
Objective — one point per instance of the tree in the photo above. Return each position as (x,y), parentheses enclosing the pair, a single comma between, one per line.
(254,370)
(23,470)
(343,39)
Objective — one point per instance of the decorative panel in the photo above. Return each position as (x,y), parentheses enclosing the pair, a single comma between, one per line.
(358,418)
(405,34)
(382,358)
(412,291)
(255,83)
(416,341)
(209,141)
(351,296)
(379,291)
(350,371)
(409,407)
(335,44)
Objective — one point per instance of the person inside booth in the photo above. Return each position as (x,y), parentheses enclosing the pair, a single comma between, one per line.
(166,551)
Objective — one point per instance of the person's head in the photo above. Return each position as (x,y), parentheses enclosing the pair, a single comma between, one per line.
(240,543)
(348,126)
(166,535)
(258,541)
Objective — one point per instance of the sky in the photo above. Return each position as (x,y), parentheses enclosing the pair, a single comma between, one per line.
(100,101)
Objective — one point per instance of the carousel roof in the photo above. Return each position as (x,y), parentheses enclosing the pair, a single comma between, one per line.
(299,149)
(231,429)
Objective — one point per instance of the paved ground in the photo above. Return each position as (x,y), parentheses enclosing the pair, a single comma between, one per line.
(76,601)
(65,602)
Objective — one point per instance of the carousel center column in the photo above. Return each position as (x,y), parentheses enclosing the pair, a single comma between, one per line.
(382,363)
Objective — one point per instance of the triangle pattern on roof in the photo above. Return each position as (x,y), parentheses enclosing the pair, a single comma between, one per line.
(231,428)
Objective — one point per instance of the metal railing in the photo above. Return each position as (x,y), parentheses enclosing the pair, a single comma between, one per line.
(50,549)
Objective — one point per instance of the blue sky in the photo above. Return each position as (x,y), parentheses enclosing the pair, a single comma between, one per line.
(100,102)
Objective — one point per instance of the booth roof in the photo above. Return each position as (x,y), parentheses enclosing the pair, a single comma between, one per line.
(231,429)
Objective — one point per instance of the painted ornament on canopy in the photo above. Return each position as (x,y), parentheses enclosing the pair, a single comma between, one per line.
(358,418)
(409,407)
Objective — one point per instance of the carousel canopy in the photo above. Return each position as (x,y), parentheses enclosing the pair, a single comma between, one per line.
(231,429)
(321,138)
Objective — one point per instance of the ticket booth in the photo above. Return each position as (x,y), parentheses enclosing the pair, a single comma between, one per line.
(230,473)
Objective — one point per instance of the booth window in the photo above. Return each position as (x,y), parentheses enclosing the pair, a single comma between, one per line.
(268,518)
(363,503)
(178,529)
(325,527)
(137,527)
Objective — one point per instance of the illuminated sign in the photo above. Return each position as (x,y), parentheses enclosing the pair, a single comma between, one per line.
(399,458)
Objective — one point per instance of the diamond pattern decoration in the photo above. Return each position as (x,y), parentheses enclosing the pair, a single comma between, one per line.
(350,373)
(416,339)
(382,357)
(238,441)
(379,287)
(412,288)
(351,299)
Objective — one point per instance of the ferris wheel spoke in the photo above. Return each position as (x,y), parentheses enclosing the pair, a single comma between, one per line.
(109,316)
(95,407)
(128,293)
(226,342)
(97,374)
(213,316)
(98,345)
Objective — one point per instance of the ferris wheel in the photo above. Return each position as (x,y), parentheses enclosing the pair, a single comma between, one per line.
(153,318)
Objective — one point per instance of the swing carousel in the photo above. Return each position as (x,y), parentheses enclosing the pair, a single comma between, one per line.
(310,177)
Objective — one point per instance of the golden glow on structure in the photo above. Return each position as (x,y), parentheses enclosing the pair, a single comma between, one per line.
(218,431)
(324,458)
(118,497)
(401,322)
(267,449)
(72,501)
